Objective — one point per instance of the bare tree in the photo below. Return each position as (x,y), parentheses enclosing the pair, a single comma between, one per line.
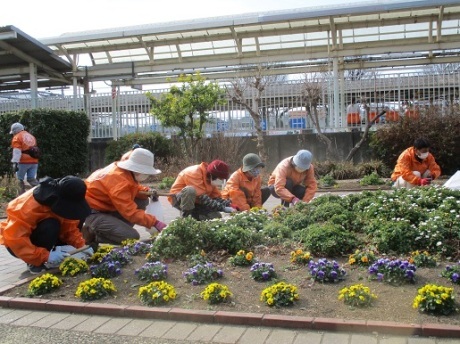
(312,96)
(248,92)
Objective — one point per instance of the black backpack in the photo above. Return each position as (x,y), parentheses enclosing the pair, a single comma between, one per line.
(33,151)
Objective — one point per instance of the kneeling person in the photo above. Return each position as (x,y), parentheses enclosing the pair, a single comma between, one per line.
(293,180)
(196,193)
(118,200)
(43,220)
(244,186)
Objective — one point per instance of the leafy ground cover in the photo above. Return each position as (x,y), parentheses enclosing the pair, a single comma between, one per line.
(377,224)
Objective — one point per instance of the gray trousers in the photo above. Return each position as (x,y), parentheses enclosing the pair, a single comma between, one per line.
(112,228)
(185,202)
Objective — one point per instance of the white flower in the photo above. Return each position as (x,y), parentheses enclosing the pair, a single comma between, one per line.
(438,243)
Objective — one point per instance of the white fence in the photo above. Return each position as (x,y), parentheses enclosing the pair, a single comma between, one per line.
(282,107)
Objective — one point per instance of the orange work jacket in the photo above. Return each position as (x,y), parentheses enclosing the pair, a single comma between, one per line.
(23,215)
(234,190)
(113,189)
(23,141)
(408,162)
(284,171)
(195,176)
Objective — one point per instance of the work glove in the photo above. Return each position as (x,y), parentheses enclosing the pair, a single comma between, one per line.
(15,166)
(67,248)
(425,181)
(153,195)
(55,258)
(160,226)
(229,210)
(84,255)
(295,200)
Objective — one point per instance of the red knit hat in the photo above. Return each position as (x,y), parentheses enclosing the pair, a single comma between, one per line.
(218,169)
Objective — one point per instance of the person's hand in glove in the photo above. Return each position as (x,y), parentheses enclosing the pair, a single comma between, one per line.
(160,226)
(153,195)
(85,254)
(229,210)
(55,258)
(295,200)
(15,166)
(425,181)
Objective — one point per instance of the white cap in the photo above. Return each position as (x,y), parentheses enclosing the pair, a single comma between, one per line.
(16,128)
(140,161)
(303,159)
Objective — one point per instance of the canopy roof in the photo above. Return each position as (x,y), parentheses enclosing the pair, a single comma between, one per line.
(364,35)
(18,51)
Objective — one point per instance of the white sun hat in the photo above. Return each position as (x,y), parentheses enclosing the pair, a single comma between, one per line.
(140,161)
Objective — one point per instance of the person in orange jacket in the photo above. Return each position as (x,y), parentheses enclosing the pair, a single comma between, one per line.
(244,186)
(44,219)
(293,180)
(416,166)
(118,200)
(23,163)
(195,192)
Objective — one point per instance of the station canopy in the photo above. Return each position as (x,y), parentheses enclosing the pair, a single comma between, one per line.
(18,51)
(373,34)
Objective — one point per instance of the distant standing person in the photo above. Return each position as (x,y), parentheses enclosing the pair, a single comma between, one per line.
(353,113)
(23,163)
(244,186)
(293,180)
(416,166)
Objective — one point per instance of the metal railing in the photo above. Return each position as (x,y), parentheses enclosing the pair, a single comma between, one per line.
(283,109)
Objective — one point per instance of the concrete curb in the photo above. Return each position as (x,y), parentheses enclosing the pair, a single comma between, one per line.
(229,318)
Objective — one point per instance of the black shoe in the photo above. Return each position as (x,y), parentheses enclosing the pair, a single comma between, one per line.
(35,270)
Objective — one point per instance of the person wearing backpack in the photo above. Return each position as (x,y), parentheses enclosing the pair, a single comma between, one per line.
(25,159)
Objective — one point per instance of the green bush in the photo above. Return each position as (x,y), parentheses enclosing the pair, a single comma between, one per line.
(393,236)
(371,179)
(276,232)
(328,239)
(61,136)
(166,183)
(153,141)
(327,181)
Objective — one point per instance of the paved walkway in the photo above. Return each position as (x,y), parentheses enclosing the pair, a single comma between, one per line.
(46,326)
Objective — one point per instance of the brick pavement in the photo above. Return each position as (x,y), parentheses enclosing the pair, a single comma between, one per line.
(221,327)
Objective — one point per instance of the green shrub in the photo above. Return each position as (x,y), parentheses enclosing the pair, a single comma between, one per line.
(166,183)
(276,232)
(61,136)
(184,236)
(153,141)
(327,181)
(327,239)
(371,179)
(393,236)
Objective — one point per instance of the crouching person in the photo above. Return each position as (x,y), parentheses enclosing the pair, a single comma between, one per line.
(118,200)
(196,192)
(416,166)
(293,180)
(43,220)
(244,186)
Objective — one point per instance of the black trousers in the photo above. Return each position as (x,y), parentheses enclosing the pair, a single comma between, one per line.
(46,235)
(297,190)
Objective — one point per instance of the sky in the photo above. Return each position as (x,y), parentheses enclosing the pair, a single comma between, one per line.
(51,18)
